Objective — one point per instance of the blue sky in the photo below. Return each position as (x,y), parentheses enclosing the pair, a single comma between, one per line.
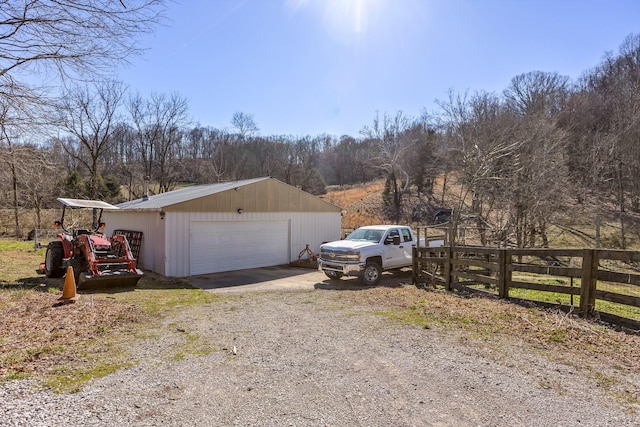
(307,67)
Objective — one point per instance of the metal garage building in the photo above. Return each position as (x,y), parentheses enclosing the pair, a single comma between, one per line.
(228,226)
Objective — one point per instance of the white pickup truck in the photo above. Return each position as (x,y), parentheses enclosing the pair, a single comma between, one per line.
(369,251)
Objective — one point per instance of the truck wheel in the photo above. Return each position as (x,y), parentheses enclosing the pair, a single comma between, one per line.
(371,275)
(333,275)
(53,260)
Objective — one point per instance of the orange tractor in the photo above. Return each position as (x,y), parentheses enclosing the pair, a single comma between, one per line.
(95,259)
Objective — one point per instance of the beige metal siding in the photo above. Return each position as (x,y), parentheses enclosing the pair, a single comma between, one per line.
(153,237)
(265,196)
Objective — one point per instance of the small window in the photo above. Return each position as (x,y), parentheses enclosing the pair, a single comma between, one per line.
(393,233)
(406,234)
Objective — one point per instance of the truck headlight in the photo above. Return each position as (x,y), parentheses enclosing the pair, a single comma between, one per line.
(352,256)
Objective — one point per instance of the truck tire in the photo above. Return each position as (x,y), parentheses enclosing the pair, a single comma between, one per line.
(53,260)
(371,275)
(333,275)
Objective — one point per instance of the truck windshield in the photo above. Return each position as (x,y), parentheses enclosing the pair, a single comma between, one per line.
(364,235)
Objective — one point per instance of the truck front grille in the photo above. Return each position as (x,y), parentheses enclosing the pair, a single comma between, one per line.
(331,255)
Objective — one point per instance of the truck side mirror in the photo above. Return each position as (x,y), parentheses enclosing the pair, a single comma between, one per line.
(392,240)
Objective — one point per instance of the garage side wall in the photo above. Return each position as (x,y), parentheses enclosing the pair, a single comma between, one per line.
(265,196)
(152,252)
(304,228)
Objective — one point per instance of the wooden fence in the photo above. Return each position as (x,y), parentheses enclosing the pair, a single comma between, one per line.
(593,276)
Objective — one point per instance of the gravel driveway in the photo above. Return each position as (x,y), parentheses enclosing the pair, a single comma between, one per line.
(314,357)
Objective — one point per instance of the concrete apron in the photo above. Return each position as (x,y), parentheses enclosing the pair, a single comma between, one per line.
(285,278)
(259,279)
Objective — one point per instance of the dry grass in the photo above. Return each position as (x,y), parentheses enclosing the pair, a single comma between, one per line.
(362,204)
(504,330)
(66,345)
(39,336)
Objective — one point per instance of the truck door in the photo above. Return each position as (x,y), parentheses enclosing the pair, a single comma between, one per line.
(394,256)
(407,246)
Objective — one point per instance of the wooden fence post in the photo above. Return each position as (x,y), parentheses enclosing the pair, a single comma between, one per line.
(416,264)
(448,253)
(504,273)
(588,282)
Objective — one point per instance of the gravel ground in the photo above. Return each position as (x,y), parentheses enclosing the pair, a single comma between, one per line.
(313,357)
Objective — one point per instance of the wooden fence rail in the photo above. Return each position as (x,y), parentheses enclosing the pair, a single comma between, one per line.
(596,272)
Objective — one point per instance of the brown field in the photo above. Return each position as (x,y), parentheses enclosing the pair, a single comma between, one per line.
(362,204)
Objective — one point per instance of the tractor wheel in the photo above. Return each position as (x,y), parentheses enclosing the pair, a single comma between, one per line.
(333,275)
(53,260)
(77,269)
(371,275)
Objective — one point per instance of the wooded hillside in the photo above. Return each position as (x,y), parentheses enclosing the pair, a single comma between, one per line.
(512,164)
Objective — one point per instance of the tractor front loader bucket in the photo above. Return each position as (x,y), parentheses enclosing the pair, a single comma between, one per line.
(108,278)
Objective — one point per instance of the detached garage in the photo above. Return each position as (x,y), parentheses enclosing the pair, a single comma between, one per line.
(228,226)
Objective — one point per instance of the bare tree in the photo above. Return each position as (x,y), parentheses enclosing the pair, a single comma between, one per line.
(90,115)
(427,160)
(537,190)
(604,120)
(18,116)
(10,158)
(393,144)
(479,134)
(70,37)
(347,161)
(159,123)
(218,145)
(65,39)
(245,124)
(39,179)
(538,93)
(536,99)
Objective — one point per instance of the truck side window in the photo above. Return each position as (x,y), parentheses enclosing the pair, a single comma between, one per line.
(393,233)
(406,234)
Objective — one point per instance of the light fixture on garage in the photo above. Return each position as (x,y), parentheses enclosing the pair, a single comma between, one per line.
(162,214)
(240,210)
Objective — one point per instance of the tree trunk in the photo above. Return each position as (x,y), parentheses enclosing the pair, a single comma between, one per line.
(445,178)
(14,185)
(598,222)
(543,234)
(623,237)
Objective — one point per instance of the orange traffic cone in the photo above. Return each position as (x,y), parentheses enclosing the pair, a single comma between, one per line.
(69,289)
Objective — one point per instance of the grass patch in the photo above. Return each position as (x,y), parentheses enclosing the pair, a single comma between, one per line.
(19,262)
(158,296)
(190,343)
(621,310)
(412,317)
(547,297)
(70,379)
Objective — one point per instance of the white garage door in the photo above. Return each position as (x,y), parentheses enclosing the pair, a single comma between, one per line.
(237,245)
